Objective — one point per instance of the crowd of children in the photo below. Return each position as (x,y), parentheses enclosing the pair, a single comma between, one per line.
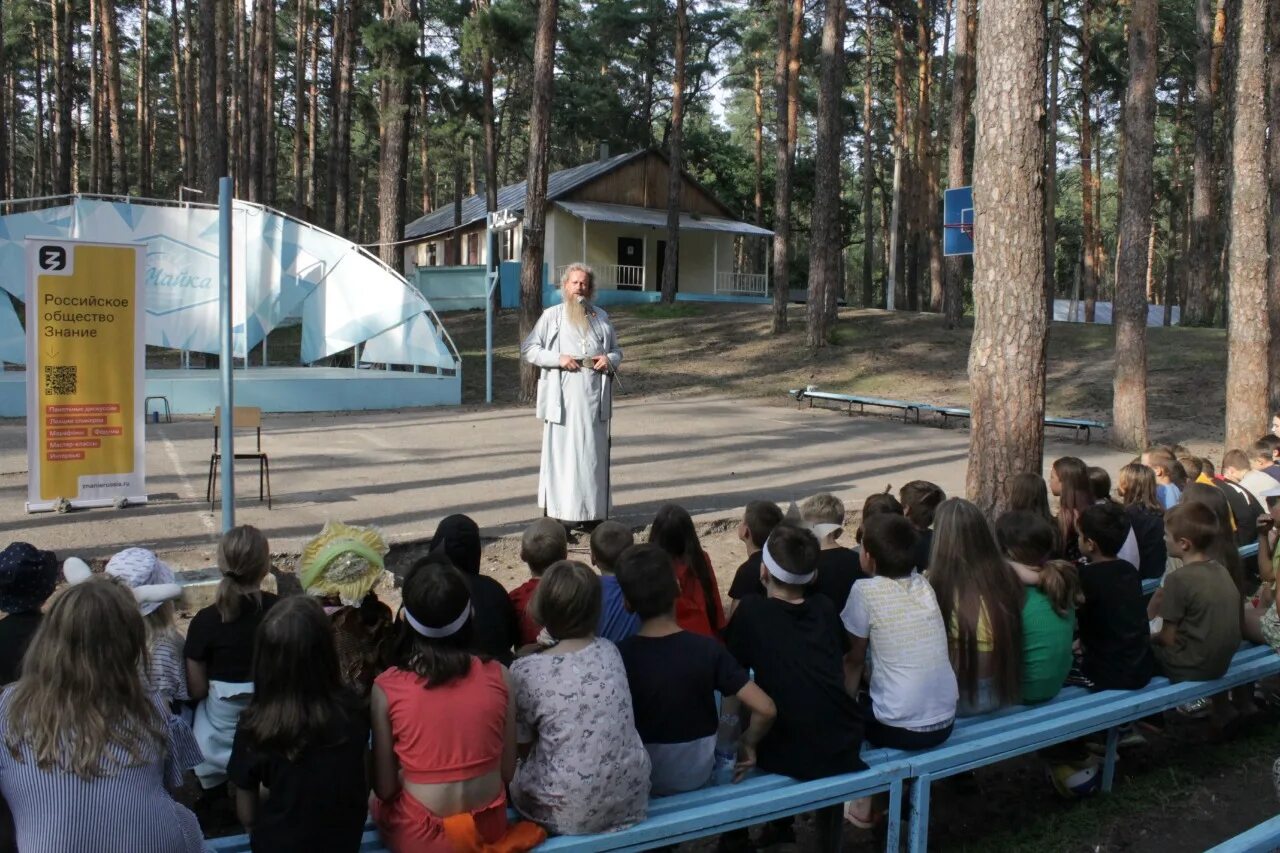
(582,692)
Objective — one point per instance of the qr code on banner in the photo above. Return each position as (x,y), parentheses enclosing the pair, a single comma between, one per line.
(59,380)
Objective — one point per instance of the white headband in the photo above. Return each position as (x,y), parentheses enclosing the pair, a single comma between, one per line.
(782,574)
(439,633)
(823,529)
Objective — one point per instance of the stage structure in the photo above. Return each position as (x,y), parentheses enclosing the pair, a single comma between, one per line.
(283,269)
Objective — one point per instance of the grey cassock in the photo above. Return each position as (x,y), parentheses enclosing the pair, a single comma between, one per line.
(575,407)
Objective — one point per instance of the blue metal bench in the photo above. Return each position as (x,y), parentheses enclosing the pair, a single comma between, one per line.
(1262,838)
(710,811)
(851,400)
(1080,427)
(1011,732)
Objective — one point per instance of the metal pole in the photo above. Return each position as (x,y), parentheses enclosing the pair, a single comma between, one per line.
(224,316)
(490,278)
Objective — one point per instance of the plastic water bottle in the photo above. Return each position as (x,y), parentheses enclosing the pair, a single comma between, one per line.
(726,752)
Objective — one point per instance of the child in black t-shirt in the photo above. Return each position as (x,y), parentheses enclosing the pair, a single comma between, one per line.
(1115,636)
(793,645)
(757,523)
(304,738)
(674,676)
(838,566)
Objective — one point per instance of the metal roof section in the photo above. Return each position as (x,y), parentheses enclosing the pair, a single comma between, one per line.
(513,196)
(625,214)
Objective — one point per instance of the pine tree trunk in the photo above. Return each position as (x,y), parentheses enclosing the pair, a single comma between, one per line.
(300,129)
(930,233)
(675,141)
(273,118)
(254,108)
(191,89)
(143,104)
(396,61)
(868,233)
(1007,358)
(961,93)
(95,104)
(313,114)
(63,14)
(786,81)
(1273,157)
(1248,329)
(111,68)
(213,151)
(1197,309)
(37,148)
(1089,282)
(239,113)
(535,205)
(757,147)
(179,93)
(487,118)
(1051,162)
(825,235)
(1136,237)
(6,161)
(340,136)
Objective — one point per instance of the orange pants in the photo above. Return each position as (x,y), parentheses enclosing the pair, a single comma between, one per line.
(407,826)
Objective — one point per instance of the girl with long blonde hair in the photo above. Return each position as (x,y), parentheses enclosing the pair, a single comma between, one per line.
(89,753)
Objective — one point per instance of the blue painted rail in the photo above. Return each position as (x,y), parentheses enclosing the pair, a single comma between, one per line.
(1263,838)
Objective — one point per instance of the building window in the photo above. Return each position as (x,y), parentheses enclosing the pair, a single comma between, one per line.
(507,241)
(473,248)
(431,255)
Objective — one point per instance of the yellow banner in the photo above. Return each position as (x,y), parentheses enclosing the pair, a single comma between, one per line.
(85,324)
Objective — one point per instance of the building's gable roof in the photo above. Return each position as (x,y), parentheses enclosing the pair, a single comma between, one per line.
(512,196)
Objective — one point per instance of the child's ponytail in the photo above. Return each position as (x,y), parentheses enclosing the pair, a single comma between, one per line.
(1060,583)
(244,558)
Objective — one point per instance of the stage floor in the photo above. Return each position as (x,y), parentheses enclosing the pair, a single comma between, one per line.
(277,389)
(403,471)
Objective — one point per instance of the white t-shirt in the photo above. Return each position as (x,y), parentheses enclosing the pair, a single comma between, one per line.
(912,683)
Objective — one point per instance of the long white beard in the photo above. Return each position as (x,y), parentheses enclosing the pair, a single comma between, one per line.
(576,310)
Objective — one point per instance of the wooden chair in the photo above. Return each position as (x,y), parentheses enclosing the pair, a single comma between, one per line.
(242,417)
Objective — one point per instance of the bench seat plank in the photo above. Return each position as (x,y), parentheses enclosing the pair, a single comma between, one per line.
(1262,838)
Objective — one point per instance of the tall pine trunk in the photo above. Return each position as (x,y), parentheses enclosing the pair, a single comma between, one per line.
(1051,161)
(396,61)
(1248,329)
(1197,309)
(868,232)
(6,161)
(111,69)
(825,241)
(213,150)
(1136,237)
(961,93)
(1089,281)
(142,110)
(300,129)
(1007,358)
(535,204)
(675,165)
(786,82)
(896,294)
(179,94)
(1273,158)
(757,150)
(64,32)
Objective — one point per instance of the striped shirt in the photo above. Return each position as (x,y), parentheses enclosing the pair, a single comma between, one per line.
(125,812)
(167,676)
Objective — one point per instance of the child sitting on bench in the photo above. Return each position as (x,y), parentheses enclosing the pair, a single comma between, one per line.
(674,676)
(838,567)
(758,521)
(1114,634)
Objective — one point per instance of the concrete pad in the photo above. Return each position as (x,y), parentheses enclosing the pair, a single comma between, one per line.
(405,470)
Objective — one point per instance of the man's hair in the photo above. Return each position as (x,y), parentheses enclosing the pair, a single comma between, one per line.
(608,541)
(823,508)
(1194,522)
(891,541)
(760,518)
(795,549)
(1100,483)
(1193,465)
(1160,458)
(1262,449)
(1107,525)
(543,543)
(568,600)
(920,499)
(578,266)
(1235,458)
(647,580)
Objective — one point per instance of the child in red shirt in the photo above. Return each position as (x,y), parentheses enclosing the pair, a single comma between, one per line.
(698,609)
(544,542)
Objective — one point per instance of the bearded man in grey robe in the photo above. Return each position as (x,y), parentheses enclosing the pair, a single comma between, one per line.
(577,350)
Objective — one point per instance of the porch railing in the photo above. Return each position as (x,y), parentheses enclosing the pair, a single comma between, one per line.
(611,275)
(742,283)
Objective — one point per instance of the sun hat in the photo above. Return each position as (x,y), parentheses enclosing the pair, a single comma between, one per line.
(27,577)
(344,561)
(152,581)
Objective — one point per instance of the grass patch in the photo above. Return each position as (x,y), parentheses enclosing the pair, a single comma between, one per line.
(1140,795)
(658,311)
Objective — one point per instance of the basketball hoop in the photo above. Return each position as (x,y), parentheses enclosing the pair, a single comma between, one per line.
(966,228)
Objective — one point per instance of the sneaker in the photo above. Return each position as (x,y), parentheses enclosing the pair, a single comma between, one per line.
(1197,709)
